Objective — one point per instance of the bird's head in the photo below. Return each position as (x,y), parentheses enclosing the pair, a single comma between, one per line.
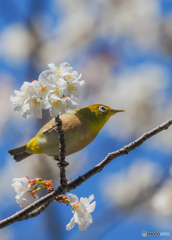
(97,115)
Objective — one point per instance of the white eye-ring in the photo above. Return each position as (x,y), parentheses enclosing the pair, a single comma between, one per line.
(102,108)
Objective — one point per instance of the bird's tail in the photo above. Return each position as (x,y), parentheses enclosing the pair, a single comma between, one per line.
(19,153)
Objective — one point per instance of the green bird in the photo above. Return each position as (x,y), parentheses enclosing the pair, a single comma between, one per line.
(80,128)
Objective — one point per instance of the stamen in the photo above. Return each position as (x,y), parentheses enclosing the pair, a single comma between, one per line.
(57,90)
(42,89)
(58,71)
(56,103)
(69,76)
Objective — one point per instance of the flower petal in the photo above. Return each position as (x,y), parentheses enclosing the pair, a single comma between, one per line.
(85,201)
(73,198)
(54,112)
(88,218)
(91,197)
(70,225)
(37,112)
(26,198)
(83,227)
(91,207)
(70,103)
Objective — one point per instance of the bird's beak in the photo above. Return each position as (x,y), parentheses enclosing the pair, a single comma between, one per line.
(116,110)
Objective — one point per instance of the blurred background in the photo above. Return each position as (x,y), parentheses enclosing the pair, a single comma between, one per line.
(124,51)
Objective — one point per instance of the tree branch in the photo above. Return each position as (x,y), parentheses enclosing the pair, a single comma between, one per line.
(24,214)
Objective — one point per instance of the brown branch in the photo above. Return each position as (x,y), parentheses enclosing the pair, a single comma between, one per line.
(51,196)
(125,150)
(39,209)
(36,212)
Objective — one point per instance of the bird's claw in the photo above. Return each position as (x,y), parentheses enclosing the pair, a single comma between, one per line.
(62,164)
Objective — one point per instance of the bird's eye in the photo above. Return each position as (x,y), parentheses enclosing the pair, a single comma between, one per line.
(102,108)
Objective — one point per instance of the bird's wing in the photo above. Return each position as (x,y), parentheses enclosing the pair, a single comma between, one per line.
(51,126)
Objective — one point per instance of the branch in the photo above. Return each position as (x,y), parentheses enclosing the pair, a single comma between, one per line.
(125,150)
(98,168)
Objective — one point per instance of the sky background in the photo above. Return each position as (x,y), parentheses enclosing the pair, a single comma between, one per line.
(124,51)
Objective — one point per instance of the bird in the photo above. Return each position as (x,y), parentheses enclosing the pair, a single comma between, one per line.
(80,128)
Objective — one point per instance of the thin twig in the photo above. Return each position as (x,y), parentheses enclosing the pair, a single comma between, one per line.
(51,196)
(62,164)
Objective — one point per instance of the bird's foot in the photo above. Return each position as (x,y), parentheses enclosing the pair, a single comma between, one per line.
(62,164)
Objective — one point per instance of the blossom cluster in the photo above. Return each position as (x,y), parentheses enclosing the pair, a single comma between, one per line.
(53,90)
(27,193)
(27,189)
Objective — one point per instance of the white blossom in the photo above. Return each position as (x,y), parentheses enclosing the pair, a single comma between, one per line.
(43,86)
(21,185)
(72,77)
(34,104)
(24,189)
(58,105)
(59,86)
(70,103)
(29,88)
(19,100)
(26,198)
(81,210)
(74,89)
(62,70)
